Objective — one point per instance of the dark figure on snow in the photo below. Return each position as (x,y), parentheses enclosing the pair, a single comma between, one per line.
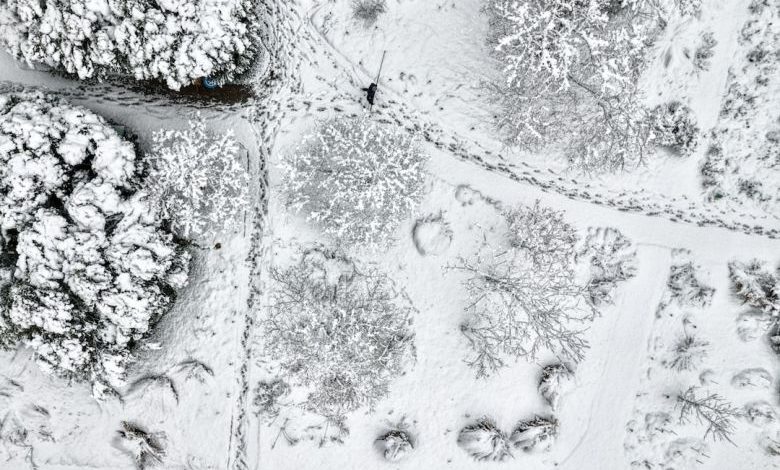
(370,93)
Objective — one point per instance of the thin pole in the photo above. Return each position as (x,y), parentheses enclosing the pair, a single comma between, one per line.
(380,68)
(378,74)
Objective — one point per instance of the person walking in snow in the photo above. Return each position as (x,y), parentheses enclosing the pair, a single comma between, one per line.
(370,93)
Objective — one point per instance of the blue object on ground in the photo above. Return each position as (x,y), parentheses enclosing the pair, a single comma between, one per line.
(209,83)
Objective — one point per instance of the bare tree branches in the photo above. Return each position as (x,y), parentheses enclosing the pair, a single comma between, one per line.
(571,72)
(341,332)
(523,298)
(711,410)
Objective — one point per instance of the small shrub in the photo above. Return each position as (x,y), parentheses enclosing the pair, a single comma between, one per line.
(146,448)
(612,260)
(268,395)
(395,444)
(770,441)
(554,377)
(759,413)
(674,126)
(688,353)
(686,289)
(688,7)
(535,435)
(704,52)
(357,179)
(484,441)
(368,11)
(756,285)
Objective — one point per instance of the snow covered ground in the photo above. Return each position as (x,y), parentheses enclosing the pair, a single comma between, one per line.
(433,83)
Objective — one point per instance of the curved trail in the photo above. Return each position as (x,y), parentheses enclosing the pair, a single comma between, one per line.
(396,111)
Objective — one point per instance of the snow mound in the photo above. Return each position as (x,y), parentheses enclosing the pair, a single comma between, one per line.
(612,260)
(432,235)
(395,445)
(757,378)
(535,435)
(484,441)
(554,378)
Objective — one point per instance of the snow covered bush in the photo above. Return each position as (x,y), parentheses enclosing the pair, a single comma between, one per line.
(688,353)
(93,266)
(146,448)
(674,127)
(342,333)
(570,76)
(199,180)
(688,7)
(541,232)
(395,444)
(705,51)
(535,435)
(268,395)
(554,378)
(684,286)
(357,179)
(172,41)
(368,11)
(756,285)
(523,296)
(755,378)
(759,413)
(612,260)
(484,441)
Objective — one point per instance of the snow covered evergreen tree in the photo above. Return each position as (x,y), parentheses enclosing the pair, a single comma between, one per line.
(93,267)
(199,180)
(357,179)
(171,41)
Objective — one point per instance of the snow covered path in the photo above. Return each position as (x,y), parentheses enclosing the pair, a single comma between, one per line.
(604,404)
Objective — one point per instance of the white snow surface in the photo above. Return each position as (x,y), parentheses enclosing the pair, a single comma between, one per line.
(435,64)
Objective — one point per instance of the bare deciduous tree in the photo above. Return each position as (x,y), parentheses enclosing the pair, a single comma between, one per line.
(523,297)
(339,331)
(571,71)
